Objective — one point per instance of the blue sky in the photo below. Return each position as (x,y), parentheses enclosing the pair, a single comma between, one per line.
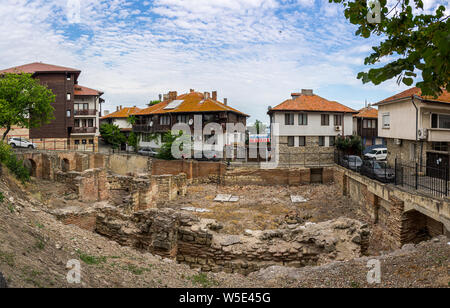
(254,52)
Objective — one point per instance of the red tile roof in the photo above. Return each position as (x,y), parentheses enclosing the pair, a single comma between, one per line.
(123,113)
(191,102)
(39,67)
(85,91)
(443,98)
(368,112)
(311,103)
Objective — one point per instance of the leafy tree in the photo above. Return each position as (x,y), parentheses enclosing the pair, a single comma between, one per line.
(166,148)
(259,127)
(152,103)
(417,41)
(24,102)
(112,135)
(16,166)
(131,120)
(133,141)
(350,145)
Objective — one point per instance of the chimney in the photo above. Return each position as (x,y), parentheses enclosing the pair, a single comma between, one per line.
(307,92)
(165,97)
(295,95)
(192,90)
(117,108)
(173,95)
(214,95)
(206,95)
(225,101)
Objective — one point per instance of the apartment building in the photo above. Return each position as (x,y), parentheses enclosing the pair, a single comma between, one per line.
(158,119)
(416,127)
(365,125)
(76,114)
(308,128)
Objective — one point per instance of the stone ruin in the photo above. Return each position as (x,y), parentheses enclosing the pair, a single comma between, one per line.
(199,243)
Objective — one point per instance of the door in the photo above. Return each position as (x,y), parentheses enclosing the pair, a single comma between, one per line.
(438,165)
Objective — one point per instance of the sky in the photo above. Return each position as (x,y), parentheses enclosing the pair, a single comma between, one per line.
(253,52)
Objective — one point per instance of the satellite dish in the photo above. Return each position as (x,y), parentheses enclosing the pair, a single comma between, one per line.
(151,124)
(191,121)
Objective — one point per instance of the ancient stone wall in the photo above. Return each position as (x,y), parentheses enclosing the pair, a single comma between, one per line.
(401,216)
(293,176)
(195,242)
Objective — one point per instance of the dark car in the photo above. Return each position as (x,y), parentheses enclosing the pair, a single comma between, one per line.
(352,162)
(147,152)
(378,170)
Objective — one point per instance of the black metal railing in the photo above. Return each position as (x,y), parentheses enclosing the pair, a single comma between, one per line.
(426,179)
(410,175)
(377,170)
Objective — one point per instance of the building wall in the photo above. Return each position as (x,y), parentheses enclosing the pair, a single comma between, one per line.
(60,86)
(314,127)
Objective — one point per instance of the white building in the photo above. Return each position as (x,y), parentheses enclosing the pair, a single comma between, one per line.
(308,127)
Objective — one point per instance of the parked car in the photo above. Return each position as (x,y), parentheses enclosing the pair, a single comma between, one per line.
(377,154)
(21,143)
(378,170)
(147,152)
(352,162)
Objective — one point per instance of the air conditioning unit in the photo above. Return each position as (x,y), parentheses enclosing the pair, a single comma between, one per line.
(398,141)
(422,133)
(338,128)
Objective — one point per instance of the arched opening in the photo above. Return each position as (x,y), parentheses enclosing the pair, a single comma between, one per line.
(65,165)
(31,166)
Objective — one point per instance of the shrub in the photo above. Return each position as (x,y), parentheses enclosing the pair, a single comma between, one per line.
(15,165)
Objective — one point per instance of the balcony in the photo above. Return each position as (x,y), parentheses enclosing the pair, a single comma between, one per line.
(84,130)
(142,128)
(85,112)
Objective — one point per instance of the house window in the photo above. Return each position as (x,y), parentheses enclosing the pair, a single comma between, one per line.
(69,96)
(440,146)
(84,141)
(303,119)
(77,123)
(182,119)
(91,141)
(91,123)
(386,120)
(289,119)
(69,77)
(325,120)
(440,121)
(338,120)
(302,141)
(68,113)
(321,141)
(291,141)
(164,120)
(77,142)
(332,141)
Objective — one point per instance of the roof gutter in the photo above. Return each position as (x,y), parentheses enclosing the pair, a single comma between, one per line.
(417,116)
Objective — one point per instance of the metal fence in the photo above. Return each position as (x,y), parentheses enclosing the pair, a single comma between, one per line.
(422,178)
(56,145)
(377,170)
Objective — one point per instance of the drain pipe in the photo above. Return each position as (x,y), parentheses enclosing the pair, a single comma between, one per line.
(417,130)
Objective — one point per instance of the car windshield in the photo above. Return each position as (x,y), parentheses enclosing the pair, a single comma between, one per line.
(373,152)
(380,165)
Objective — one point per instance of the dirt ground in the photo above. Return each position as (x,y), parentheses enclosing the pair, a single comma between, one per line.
(263,208)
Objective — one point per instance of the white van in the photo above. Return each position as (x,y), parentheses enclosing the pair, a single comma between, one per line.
(377,154)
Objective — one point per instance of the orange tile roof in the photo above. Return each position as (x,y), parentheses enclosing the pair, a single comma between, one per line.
(443,98)
(311,103)
(368,112)
(85,91)
(38,67)
(123,113)
(192,102)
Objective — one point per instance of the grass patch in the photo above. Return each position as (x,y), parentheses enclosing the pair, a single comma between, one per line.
(136,270)
(203,281)
(8,258)
(11,208)
(354,285)
(91,260)
(40,244)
